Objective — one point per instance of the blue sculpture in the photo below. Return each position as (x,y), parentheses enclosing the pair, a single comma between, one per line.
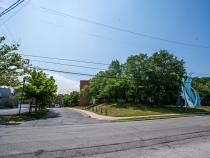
(188,97)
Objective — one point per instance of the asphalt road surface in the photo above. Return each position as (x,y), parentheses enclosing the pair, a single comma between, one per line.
(75,135)
(13,111)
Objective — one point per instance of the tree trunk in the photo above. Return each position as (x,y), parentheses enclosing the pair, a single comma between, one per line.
(36,107)
(30,108)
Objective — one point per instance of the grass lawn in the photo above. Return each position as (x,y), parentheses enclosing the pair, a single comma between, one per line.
(206,108)
(4,119)
(127,110)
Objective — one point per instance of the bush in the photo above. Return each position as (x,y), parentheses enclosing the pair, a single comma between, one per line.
(71,99)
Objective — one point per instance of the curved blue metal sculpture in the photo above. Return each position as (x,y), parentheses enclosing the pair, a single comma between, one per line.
(188,97)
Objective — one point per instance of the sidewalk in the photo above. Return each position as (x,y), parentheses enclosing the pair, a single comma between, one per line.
(102,117)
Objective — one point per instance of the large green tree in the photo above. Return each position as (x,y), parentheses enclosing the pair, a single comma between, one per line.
(165,77)
(41,88)
(108,85)
(144,79)
(12,65)
(136,68)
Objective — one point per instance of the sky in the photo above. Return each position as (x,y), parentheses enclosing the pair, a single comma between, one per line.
(77,30)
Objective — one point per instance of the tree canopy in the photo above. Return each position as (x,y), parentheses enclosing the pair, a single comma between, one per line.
(152,79)
(202,85)
(40,87)
(12,65)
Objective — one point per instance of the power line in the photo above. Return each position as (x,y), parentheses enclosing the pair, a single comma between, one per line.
(55,58)
(76,73)
(55,12)
(7,9)
(59,13)
(79,74)
(44,61)
(60,71)
(11,7)
(17,10)
(56,63)
(86,74)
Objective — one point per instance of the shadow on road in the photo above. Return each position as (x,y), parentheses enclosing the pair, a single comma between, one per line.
(51,114)
(16,120)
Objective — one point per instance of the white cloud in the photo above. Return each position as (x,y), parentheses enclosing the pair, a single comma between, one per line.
(65,85)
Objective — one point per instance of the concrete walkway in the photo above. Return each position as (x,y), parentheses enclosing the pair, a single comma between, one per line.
(102,117)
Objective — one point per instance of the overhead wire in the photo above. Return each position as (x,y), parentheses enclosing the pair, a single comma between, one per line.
(63,64)
(14,5)
(64,59)
(81,61)
(60,71)
(11,7)
(55,12)
(82,74)
(17,10)
(59,13)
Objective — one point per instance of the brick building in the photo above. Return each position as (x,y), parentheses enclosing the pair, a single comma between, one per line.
(84,100)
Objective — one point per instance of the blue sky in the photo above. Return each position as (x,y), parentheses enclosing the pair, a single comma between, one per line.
(41,32)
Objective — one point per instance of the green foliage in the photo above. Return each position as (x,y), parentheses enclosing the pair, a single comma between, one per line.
(12,65)
(71,99)
(202,85)
(155,80)
(166,76)
(108,85)
(136,70)
(40,87)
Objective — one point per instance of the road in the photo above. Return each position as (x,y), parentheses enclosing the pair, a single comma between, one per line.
(62,117)
(13,111)
(75,135)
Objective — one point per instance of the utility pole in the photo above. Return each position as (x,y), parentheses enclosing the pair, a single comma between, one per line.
(21,99)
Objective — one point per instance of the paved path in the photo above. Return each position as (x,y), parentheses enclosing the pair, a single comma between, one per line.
(163,138)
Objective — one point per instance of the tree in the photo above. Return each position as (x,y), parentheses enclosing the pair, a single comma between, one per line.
(71,99)
(107,85)
(166,76)
(41,88)
(12,65)
(202,85)
(112,87)
(136,68)
(155,80)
